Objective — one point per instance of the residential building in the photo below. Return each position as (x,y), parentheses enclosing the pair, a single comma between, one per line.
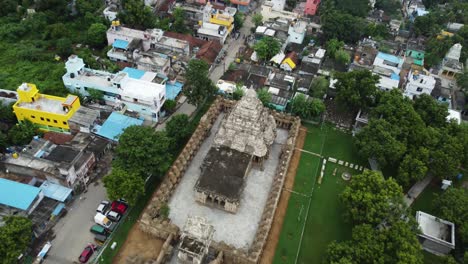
(311,7)
(281,90)
(297,31)
(388,66)
(365,54)
(290,62)
(451,65)
(115,125)
(16,197)
(419,84)
(49,113)
(269,13)
(311,64)
(413,9)
(241,5)
(216,24)
(437,235)
(132,90)
(454,27)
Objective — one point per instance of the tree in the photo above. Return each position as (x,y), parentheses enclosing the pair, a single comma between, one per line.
(452,205)
(425,25)
(64,47)
(264,96)
(356,89)
(143,151)
(124,184)
(22,133)
(96,95)
(96,35)
(377,30)
(396,243)
(333,45)
(359,8)
(432,113)
(342,57)
(179,129)
(170,105)
(8,7)
(305,108)
(371,199)
(462,81)
(87,6)
(198,86)
(136,14)
(319,87)
(6,113)
(238,92)
(3,141)
(257,19)
(238,20)
(15,237)
(267,47)
(391,7)
(179,20)
(342,26)
(413,167)
(378,140)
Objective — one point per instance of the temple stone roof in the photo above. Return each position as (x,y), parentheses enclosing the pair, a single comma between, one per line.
(249,128)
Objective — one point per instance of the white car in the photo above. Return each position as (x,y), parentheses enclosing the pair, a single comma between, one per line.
(114,216)
(103,207)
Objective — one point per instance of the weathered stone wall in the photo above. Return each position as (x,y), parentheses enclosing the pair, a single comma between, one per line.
(152,223)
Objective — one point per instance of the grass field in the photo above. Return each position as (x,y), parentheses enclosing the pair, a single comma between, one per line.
(324,221)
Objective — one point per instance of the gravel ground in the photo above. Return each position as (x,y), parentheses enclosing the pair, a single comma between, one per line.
(238,229)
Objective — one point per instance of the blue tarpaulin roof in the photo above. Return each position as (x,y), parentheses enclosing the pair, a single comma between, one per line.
(55,191)
(58,209)
(116,124)
(134,73)
(120,44)
(16,194)
(173,89)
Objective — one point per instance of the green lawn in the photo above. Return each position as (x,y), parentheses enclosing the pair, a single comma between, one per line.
(324,222)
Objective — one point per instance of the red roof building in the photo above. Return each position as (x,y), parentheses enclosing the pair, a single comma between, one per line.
(209,51)
(311,7)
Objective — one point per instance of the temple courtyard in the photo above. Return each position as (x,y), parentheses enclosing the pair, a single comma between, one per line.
(237,229)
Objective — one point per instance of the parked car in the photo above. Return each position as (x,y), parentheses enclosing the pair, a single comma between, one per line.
(103,207)
(104,222)
(100,239)
(119,207)
(98,230)
(114,216)
(87,253)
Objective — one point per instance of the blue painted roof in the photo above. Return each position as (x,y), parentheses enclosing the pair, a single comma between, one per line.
(389,57)
(120,44)
(173,89)
(116,124)
(58,209)
(134,73)
(16,194)
(55,191)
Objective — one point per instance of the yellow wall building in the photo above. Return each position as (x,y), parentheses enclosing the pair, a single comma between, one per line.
(50,113)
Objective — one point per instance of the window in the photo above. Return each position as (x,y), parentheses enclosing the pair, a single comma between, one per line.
(48,120)
(135,100)
(64,122)
(86,88)
(55,121)
(42,119)
(33,117)
(419,89)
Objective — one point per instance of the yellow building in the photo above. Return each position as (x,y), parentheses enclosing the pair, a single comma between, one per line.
(220,17)
(49,113)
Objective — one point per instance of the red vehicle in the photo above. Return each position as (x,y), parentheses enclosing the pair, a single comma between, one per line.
(119,207)
(87,253)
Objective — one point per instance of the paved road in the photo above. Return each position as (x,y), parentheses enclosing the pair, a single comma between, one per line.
(417,189)
(72,231)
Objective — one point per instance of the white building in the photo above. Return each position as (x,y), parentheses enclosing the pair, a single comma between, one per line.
(110,12)
(451,65)
(125,41)
(268,12)
(210,31)
(297,31)
(419,84)
(388,67)
(437,235)
(138,94)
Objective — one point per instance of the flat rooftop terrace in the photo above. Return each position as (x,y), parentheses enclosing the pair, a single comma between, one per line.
(237,229)
(435,227)
(47,104)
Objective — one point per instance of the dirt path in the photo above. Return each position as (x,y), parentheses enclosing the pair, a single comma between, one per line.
(138,243)
(272,241)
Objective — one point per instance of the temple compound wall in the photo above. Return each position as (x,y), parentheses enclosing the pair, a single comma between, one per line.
(154,223)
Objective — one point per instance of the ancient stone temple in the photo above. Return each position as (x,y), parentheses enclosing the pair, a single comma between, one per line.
(195,240)
(249,128)
(244,137)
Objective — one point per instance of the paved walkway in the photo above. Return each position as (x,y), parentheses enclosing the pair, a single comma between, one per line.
(417,189)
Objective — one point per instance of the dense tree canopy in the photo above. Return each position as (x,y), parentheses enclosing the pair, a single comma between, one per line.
(452,205)
(257,19)
(342,26)
(124,184)
(198,86)
(179,20)
(358,8)
(333,45)
(267,47)
(97,35)
(238,20)
(23,133)
(356,89)
(136,14)
(318,87)
(306,107)
(143,151)
(15,237)
(179,129)
(371,199)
